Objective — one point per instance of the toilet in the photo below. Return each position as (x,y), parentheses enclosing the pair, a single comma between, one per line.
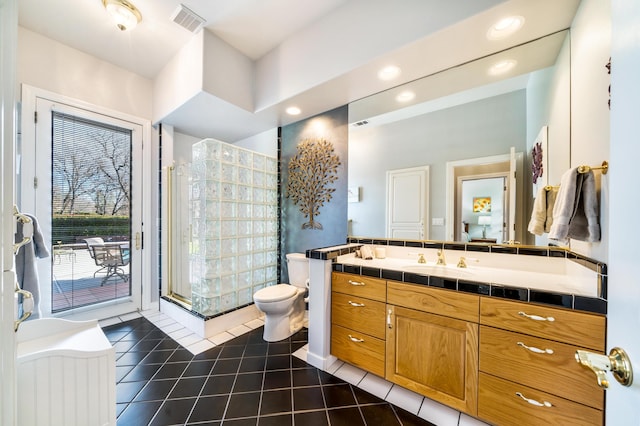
(284,304)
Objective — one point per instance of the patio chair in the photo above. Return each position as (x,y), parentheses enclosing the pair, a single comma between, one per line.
(111,258)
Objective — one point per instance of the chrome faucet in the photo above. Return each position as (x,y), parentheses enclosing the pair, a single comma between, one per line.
(441,259)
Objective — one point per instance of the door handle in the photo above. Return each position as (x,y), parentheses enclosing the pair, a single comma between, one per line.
(27,307)
(138,241)
(617,362)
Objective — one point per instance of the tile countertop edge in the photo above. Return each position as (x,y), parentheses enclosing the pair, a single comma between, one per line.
(596,305)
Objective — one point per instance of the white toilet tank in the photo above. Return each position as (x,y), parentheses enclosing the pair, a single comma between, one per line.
(298,267)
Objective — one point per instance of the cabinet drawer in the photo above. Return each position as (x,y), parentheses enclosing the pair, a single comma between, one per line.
(517,357)
(357,285)
(501,402)
(359,314)
(436,301)
(358,349)
(576,328)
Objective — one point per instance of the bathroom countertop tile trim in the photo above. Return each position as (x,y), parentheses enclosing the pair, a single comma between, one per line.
(571,301)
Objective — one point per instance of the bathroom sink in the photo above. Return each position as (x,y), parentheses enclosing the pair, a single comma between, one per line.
(438,270)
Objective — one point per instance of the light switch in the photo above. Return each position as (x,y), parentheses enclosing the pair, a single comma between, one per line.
(437,221)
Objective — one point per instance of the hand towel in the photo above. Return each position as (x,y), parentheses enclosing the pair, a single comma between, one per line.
(551,196)
(539,213)
(542,214)
(26,267)
(564,207)
(584,224)
(575,214)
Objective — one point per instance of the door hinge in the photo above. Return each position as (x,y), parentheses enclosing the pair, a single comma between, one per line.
(35,117)
(35,182)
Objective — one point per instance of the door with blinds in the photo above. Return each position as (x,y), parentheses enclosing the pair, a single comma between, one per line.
(87,189)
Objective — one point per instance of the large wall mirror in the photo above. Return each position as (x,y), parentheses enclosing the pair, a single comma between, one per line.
(483,116)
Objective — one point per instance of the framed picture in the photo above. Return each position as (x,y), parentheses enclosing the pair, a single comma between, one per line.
(481,204)
(540,161)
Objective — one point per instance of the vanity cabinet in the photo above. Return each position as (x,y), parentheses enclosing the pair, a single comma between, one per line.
(503,361)
(432,343)
(528,373)
(358,321)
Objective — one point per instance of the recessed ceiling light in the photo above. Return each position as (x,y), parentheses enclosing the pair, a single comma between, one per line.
(505,27)
(293,110)
(503,66)
(389,73)
(405,96)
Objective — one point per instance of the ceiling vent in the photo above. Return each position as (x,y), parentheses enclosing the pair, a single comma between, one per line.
(360,123)
(187,19)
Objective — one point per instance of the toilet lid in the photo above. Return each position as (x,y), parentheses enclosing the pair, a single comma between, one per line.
(275,293)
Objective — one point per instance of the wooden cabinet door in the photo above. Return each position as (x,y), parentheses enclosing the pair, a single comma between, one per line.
(433,355)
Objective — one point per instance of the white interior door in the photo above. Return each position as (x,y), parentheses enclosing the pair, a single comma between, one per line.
(408,203)
(38,192)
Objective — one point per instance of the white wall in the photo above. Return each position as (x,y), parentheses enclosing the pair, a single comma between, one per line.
(549,104)
(265,143)
(55,67)
(590,53)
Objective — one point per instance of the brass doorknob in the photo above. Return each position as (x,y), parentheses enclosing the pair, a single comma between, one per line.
(617,362)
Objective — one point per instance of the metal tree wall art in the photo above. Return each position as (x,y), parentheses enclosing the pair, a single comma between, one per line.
(311,170)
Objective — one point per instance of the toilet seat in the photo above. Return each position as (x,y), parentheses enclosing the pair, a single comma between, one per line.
(275,293)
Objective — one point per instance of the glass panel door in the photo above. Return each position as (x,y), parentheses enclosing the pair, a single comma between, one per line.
(88,202)
(91,220)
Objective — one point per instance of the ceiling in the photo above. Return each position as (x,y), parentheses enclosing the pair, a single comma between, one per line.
(258,28)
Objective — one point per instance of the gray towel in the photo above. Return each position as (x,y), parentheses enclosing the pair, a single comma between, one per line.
(575,214)
(26,267)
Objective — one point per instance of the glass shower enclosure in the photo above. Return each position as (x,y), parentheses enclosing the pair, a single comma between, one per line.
(231,248)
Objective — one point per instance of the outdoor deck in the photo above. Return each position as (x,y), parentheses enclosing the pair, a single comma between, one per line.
(73,282)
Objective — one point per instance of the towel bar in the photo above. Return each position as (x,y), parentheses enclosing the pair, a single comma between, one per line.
(604,167)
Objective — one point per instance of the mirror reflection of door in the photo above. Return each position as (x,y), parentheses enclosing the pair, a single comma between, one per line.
(408,203)
(482,208)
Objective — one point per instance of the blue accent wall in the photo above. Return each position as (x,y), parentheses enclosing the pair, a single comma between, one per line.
(332,126)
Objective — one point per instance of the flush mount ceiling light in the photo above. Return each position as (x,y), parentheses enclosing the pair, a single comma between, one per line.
(293,110)
(388,73)
(503,67)
(505,27)
(124,13)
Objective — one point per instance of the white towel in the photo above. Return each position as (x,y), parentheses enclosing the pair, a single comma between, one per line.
(539,213)
(575,214)
(551,196)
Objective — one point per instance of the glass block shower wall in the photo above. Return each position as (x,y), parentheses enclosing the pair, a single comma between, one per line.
(234,225)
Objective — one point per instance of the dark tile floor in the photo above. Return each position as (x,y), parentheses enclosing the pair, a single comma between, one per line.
(245,381)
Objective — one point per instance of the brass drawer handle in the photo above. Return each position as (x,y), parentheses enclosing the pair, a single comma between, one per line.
(535,350)
(534,402)
(536,317)
(357,305)
(356,283)
(355,339)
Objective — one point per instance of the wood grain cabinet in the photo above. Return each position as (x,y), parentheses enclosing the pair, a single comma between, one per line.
(432,343)
(358,321)
(505,362)
(528,373)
